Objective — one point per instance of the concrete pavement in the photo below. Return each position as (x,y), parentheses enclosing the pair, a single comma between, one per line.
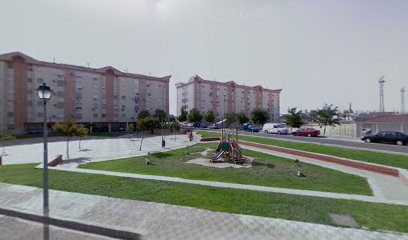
(163,221)
(13,228)
(95,149)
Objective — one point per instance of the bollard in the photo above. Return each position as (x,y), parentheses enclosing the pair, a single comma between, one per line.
(0,160)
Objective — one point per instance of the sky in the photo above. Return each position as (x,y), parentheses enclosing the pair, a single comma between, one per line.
(317,51)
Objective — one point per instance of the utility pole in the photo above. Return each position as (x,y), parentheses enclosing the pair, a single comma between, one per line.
(381,82)
(403,100)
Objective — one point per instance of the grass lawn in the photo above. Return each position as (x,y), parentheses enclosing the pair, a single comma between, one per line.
(389,159)
(308,209)
(267,170)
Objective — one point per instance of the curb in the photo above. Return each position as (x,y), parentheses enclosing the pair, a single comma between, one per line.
(108,231)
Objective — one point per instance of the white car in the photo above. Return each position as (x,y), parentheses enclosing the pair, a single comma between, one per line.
(277,128)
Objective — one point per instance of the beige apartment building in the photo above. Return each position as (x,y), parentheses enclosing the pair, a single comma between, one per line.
(224,97)
(88,95)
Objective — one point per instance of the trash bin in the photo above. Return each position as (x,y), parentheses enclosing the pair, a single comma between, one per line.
(163,143)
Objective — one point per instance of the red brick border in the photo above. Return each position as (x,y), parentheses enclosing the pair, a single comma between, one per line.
(364,166)
(56,161)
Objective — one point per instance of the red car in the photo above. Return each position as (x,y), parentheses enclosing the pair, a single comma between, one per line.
(309,132)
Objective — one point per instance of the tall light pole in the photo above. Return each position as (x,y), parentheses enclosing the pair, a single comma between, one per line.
(44,94)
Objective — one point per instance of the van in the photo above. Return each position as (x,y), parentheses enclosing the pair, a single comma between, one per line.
(278,128)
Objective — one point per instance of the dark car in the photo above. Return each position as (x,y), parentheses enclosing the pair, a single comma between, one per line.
(247,127)
(214,126)
(309,132)
(393,137)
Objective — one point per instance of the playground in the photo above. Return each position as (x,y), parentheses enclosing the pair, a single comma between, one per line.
(227,166)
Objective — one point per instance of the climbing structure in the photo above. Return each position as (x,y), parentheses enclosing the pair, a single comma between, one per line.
(228,150)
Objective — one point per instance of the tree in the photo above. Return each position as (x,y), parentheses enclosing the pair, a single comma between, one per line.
(3,138)
(172,118)
(294,118)
(160,115)
(81,133)
(130,128)
(195,116)
(242,118)
(259,116)
(183,115)
(143,114)
(68,129)
(147,123)
(231,118)
(209,117)
(327,116)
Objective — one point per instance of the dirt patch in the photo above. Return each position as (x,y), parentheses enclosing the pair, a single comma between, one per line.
(206,162)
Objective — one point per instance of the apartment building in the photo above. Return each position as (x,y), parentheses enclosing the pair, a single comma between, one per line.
(83,94)
(224,97)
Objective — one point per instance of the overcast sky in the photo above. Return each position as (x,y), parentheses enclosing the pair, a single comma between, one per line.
(317,51)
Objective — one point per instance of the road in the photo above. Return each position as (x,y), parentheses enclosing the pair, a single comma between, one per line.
(352,143)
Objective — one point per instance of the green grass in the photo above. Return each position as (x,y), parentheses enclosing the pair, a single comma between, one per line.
(267,170)
(389,159)
(300,208)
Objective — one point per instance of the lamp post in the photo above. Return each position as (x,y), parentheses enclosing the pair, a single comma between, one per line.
(44,94)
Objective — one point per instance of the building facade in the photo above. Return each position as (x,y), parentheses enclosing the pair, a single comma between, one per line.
(224,97)
(83,94)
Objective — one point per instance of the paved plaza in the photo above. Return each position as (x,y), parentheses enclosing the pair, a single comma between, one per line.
(94,149)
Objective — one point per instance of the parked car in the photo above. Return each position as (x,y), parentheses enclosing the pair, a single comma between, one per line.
(394,137)
(247,127)
(214,126)
(309,132)
(278,128)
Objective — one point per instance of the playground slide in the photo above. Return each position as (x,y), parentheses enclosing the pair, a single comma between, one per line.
(218,156)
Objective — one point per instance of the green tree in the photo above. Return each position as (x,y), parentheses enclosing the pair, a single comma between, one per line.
(194,116)
(68,129)
(183,115)
(130,128)
(242,118)
(147,123)
(3,138)
(82,132)
(209,117)
(259,116)
(143,114)
(231,118)
(327,116)
(160,115)
(294,118)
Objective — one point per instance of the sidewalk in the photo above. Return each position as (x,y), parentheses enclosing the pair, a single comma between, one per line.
(163,221)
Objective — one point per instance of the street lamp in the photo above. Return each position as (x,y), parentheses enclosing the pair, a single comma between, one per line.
(44,94)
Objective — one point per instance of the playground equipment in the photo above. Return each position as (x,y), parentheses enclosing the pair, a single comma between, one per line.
(229,149)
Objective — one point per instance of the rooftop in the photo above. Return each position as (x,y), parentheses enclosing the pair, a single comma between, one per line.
(12,55)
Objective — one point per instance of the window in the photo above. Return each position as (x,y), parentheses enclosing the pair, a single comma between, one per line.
(30,79)
(40,115)
(103,115)
(60,94)
(123,97)
(95,115)
(123,115)
(40,80)
(60,83)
